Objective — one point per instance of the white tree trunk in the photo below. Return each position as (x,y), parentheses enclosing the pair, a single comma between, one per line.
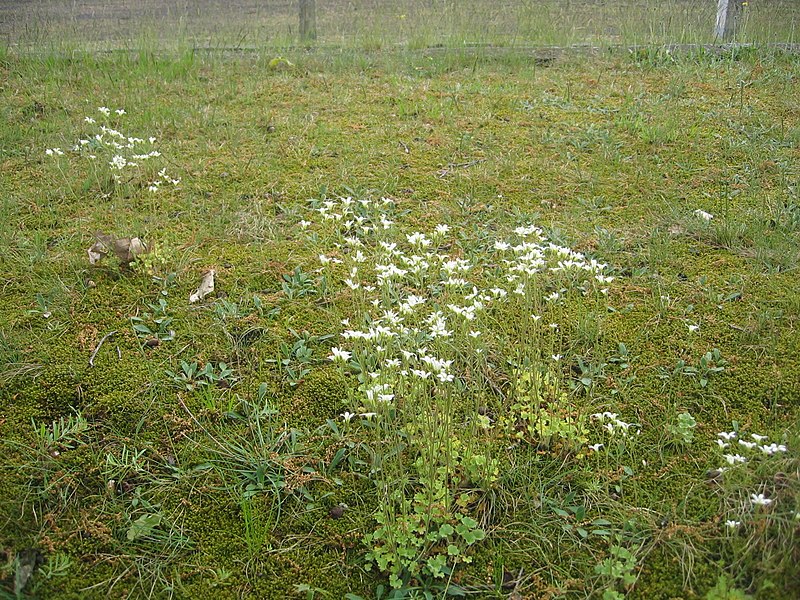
(728,13)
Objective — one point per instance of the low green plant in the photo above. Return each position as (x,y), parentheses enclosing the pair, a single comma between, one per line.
(155,324)
(726,589)
(541,413)
(299,284)
(63,434)
(191,376)
(709,365)
(618,569)
(682,429)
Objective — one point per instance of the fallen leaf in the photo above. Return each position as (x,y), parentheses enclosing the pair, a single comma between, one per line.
(125,249)
(206,287)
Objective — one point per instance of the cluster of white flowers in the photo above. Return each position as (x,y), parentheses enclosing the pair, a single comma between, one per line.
(423,302)
(731,439)
(122,151)
(726,438)
(613,424)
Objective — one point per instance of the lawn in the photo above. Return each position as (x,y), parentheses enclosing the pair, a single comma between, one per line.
(481,324)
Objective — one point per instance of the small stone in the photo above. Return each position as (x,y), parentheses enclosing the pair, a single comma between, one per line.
(713,476)
(152,342)
(509,580)
(337,512)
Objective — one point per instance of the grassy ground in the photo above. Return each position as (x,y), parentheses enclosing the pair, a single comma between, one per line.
(368,24)
(209,448)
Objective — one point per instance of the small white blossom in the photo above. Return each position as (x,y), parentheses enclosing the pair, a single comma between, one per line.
(760,500)
(338,354)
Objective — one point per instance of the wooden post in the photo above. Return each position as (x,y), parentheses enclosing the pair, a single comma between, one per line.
(308,20)
(728,13)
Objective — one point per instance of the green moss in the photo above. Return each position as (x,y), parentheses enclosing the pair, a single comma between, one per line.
(320,396)
(668,574)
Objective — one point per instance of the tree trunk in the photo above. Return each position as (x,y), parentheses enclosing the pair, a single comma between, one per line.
(728,14)
(308,20)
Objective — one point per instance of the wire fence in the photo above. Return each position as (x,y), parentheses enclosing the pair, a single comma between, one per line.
(382,24)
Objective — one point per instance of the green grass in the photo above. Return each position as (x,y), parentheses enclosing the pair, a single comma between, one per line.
(246,25)
(121,476)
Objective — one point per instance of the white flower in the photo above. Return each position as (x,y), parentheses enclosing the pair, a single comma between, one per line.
(693,328)
(338,354)
(442,229)
(727,435)
(557,357)
(90,120)
(498,245)
(732,524)
(760,500)
(734,458)
(758,438)
(772,449)
(347,416)
(553,325)
(703,215)
(722,444)
(474,334)
(305,224)
(418,239)
(367,415)
(748,445)
(596,447)
(118,162)
(104,110)
(120,111)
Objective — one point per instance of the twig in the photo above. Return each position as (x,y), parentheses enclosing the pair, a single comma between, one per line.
(96,350)
(443,172)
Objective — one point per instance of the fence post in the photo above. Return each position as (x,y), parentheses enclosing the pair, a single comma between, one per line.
(728,13)
(308,20)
